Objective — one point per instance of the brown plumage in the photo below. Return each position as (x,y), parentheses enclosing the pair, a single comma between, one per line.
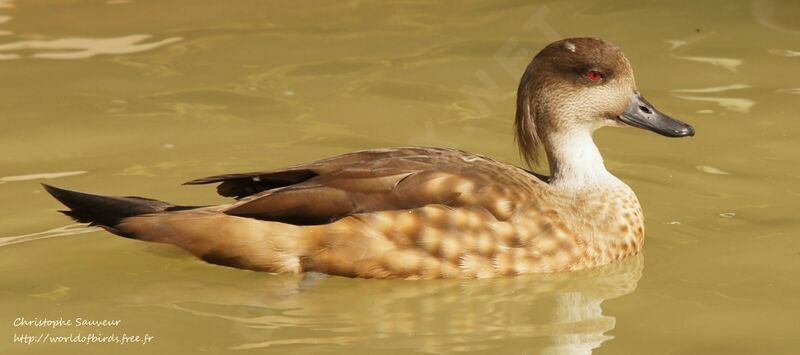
(417,212)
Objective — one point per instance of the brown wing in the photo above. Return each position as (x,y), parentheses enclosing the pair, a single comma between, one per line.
(365,181)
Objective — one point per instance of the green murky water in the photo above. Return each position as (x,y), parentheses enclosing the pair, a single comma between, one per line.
(135,97)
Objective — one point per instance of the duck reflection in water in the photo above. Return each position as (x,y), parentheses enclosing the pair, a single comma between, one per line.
(557,313)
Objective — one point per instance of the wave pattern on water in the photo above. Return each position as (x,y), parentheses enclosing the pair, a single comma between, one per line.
(72,229)
(81,48)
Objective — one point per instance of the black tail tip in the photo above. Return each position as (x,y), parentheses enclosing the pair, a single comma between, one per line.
(101,210)
(56,192)
(74,200)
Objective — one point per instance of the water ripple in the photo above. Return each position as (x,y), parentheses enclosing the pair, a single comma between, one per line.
(81,48)
(13,178)
(714,89)
(72,229)
(730,64)
(730,103)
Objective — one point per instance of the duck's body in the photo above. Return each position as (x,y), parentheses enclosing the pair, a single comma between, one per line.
(415,212)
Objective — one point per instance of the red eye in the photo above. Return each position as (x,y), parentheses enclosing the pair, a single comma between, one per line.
(594,75)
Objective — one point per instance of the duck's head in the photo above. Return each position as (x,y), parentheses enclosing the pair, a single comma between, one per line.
(576,85)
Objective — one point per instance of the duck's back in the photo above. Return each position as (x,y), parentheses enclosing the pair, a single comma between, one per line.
(377,180)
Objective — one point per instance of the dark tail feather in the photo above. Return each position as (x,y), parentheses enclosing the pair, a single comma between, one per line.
(105,211)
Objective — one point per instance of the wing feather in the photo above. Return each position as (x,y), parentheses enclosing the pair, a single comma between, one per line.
(366,181)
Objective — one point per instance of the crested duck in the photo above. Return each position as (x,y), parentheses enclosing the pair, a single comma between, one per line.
(415,212)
